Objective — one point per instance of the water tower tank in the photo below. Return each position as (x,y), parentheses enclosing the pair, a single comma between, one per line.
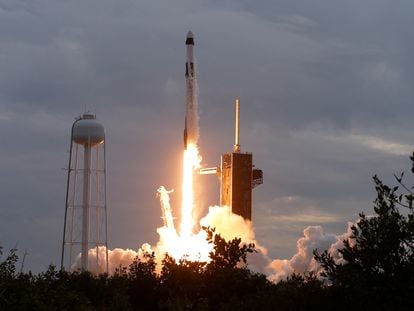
(88,131)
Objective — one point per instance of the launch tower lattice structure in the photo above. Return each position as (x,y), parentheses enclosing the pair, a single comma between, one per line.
(85,237)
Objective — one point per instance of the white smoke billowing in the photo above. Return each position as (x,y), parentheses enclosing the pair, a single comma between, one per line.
(229,226)
(335,247)
(117,258)
(314,237)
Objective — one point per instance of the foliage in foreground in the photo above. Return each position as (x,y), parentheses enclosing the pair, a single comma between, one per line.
(379,255)
(225,283)
(377,273)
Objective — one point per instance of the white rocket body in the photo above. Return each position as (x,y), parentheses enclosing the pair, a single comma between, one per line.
(191,114)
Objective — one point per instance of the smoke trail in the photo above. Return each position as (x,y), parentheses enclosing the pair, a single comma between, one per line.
(166,207)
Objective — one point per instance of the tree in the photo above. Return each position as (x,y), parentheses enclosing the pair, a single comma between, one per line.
(230,285)
(224,283)
(227,254)
(300,292)
(182,284)
(379,254)
(8,266)
(7,277)
(143,282)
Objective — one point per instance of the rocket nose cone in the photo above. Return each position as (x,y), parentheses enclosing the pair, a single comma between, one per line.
(190,38)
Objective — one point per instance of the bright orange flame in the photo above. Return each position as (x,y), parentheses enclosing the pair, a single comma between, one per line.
(191,162)
(185,244)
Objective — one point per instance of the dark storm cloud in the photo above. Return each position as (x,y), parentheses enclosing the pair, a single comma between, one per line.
(326,99)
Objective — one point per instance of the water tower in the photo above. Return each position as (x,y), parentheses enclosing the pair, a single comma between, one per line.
(85,226)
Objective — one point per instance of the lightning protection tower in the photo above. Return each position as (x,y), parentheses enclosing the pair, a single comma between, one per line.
(85,227)
(238,176)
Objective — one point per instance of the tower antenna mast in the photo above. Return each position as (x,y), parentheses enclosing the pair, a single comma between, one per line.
(236,147)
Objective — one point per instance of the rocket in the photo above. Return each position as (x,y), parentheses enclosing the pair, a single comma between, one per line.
(191,114)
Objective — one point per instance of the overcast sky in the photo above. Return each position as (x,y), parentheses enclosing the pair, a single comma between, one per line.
(326,90)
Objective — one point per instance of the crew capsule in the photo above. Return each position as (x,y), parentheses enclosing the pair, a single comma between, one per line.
(190,38)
